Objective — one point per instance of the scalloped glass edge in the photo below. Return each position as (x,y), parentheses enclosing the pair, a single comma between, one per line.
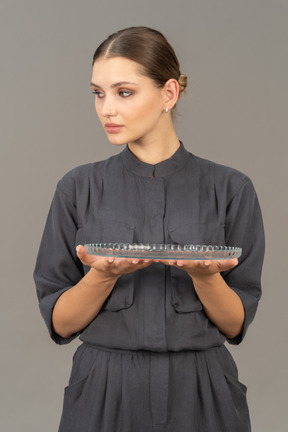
(163,251)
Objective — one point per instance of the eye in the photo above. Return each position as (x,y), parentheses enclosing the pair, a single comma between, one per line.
(98,94)
(125,93)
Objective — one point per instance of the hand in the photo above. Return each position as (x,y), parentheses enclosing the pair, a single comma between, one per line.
(199,268)
(114,267)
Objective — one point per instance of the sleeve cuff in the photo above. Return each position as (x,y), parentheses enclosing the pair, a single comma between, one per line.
(250,304)
(46,308)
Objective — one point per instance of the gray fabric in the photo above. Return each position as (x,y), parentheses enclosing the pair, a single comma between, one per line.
(148,392)
(151,359)
(190,200)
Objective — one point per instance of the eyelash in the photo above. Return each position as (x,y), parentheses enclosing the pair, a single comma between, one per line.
(121,93)
(97,93)
(128,93)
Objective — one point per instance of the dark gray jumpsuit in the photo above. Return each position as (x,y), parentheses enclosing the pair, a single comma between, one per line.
(151,360)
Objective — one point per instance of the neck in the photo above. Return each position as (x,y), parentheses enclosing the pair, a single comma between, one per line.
(156,149)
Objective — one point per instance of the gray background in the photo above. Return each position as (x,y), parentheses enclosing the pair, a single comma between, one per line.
(235,113)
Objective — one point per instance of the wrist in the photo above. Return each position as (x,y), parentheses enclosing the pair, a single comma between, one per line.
(205,280)
(101,276)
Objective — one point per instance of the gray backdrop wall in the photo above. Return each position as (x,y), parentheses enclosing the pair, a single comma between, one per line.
(235,113)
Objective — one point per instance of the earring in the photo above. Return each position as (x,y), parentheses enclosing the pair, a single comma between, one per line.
(166,110)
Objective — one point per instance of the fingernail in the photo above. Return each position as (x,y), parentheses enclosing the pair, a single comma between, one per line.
(111,260)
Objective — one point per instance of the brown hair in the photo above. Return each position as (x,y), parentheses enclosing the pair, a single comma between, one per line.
(147,47)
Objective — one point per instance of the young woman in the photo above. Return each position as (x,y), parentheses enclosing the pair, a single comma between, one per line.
(153,332)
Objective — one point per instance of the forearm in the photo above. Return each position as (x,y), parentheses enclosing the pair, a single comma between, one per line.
(221,304)
(79,305)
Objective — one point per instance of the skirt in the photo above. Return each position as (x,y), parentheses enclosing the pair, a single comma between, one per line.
(142,391)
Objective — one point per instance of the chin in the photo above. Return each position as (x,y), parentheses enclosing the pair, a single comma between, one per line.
(116,139)
(116,142)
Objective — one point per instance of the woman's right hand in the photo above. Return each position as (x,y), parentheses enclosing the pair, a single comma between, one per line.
(79,305)
(114,267)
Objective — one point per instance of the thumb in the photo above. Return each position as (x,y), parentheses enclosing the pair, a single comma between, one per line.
(227,264)
(80,251)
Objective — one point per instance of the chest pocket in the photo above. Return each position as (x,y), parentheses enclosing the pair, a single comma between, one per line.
(108,230)
(183,295)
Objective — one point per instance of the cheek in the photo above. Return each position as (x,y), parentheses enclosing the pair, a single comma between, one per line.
(146,111)
(150,114)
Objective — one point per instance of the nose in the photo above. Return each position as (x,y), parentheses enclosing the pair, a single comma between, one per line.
(108,106)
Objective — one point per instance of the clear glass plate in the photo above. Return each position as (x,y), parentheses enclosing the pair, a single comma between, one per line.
(163,251)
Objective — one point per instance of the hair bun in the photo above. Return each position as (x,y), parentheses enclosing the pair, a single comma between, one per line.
(182,80)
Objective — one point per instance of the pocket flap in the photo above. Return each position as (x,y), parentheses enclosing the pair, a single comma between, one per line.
(184,296)
(107,230)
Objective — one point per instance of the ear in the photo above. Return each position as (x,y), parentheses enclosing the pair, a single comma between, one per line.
(171,93)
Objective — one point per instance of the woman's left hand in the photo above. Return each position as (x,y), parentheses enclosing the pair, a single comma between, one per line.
(221,304)
(199,268)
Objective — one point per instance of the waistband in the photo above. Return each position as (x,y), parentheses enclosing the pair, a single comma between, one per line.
(149,352)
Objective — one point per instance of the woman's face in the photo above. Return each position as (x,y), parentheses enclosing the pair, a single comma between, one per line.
(129,105)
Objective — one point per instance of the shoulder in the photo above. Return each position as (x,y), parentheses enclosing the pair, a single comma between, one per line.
(79,179)
(225,178)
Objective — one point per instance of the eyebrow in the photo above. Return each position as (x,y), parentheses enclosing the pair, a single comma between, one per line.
(118,84)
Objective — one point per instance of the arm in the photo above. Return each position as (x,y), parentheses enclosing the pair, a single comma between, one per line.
(70,294)
(228,292)
(221,304)
(79,305)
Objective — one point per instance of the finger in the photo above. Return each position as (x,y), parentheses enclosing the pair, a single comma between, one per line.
(166,262)
(195,265)
(141,262)
(206,265)
(179,264)
(144,261)
(110,260)
(224,265)
(80,250)
(127,265)
(82,254)
(189,264)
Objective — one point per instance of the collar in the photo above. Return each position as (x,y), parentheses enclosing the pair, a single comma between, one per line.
(167,167)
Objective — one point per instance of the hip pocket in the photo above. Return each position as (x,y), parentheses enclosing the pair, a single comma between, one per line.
(74,412)
(240,410)
(75,390)
(236,390)
(76,398)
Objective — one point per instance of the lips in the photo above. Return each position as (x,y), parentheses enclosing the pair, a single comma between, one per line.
(113,127)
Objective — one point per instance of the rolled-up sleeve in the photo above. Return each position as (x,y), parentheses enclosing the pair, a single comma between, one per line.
(57,267)
(244,228)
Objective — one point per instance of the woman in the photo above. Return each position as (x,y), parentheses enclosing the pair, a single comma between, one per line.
(152,356)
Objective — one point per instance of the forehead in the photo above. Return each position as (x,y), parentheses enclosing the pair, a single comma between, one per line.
(116,69)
